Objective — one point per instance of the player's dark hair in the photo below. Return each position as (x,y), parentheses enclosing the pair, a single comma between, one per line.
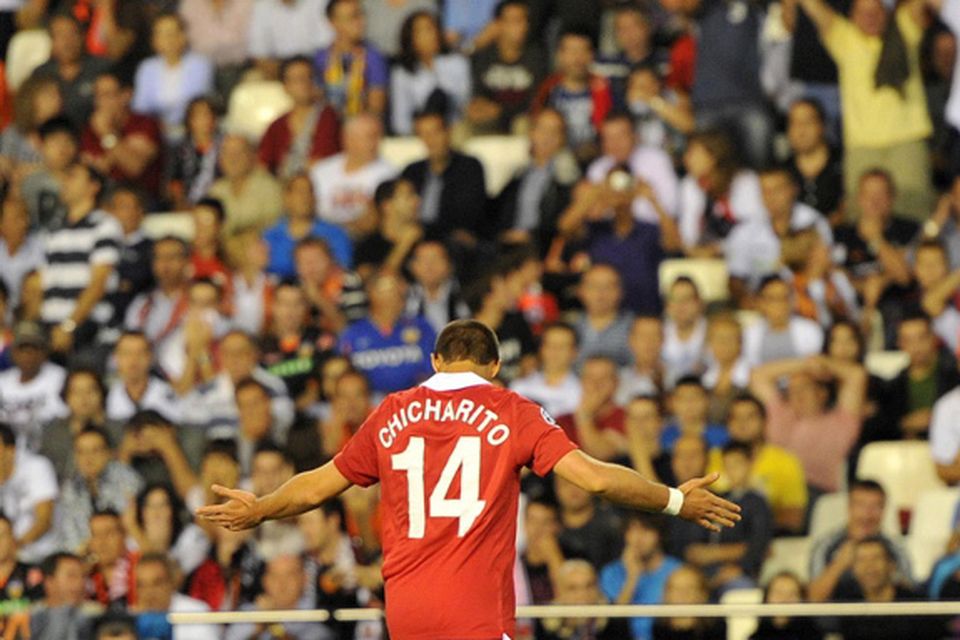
(468,340)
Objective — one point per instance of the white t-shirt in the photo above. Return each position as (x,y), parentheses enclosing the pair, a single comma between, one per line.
(280,29)
(746,202)
(558,400)
(945,428)
(633,384)
(752,249)
(33,481)
(342,197)
(159,396)
(27,406)
(652,165)
(680,357)
(185,604)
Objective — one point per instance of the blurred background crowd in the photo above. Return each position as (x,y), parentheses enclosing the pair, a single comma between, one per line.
(711,235)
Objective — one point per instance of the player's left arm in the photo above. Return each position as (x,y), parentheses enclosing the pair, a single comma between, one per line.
(301,493)
(627,487)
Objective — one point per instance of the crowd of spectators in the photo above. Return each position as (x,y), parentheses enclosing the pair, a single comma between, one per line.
(813,146)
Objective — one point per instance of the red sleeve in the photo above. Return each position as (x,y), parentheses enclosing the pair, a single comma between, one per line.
(682,60)
(602,102)
(272,145)
(90,143)
(358,460)
(541,442)
(326,135)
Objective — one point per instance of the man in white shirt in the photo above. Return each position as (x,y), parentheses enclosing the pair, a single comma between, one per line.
(684,332)
(30,391)
(282,29)
(652,165)
(159,313)
(645,377)
(28,491)
(345,183)
(157,594)
(213,406)
(779,335)
(555,386)
(135,389)
(752,249)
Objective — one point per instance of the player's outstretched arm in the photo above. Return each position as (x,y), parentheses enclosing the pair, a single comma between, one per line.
(301,493)
(627,487)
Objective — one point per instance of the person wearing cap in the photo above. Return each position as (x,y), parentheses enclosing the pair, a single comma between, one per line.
(30,391)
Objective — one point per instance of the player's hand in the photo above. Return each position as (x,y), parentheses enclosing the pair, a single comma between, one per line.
(706,509)
(239,512)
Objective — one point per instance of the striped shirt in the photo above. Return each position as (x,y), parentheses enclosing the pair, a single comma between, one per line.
(71,254)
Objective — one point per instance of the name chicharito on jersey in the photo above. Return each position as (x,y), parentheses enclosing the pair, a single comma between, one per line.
(464,411)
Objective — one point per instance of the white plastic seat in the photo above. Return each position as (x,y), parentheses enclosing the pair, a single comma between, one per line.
(254,105)
(741,628)
(502,157)
(710,276)
(402,150)
(787,554)
(169,223)
(27,51)
(904,468)
(930,527)
(886,364)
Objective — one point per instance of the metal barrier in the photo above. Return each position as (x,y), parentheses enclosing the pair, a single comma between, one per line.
(805,610)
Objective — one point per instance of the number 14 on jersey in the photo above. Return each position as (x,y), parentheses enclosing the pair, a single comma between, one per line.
(465,460)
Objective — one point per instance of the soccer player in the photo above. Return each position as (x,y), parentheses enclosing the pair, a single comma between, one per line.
(448,559)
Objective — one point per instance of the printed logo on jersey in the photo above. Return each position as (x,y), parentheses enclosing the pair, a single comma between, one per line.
(411,335)
(547,417)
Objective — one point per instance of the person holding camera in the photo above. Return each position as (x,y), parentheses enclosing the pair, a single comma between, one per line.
(600,227)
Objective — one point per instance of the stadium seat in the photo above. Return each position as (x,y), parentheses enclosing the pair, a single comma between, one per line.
(401,151)
(787,554)
(169,223)
(709,275)
(254,105)
(886,364)
(741,628)
(830,513)
(27,51)
(502,157)
(930,527)
(905,469)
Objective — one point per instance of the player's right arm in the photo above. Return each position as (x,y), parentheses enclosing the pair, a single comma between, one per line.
(627,487)
(301,493)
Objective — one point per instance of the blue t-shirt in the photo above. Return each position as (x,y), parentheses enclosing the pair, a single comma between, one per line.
(649,590)
(282,245)
(715,436)
(337,84)
(392,362)
(636,257)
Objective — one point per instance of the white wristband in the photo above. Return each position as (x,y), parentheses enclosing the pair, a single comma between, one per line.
(675,503)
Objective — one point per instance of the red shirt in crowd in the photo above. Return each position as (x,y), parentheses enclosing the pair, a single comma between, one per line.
(612,419)
(278,138)
(136,124)
(448,456)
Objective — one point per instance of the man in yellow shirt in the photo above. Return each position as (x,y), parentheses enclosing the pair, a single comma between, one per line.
(885,119)
(776,472)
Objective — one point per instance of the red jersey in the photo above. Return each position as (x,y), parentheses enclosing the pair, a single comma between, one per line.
(448,456)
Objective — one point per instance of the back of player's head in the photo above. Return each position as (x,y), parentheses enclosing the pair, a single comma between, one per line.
(468,340)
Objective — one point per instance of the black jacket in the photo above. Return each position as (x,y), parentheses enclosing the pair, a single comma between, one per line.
(555,199)
(463,200)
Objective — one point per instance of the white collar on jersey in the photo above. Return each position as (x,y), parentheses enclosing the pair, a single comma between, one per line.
(453,381)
